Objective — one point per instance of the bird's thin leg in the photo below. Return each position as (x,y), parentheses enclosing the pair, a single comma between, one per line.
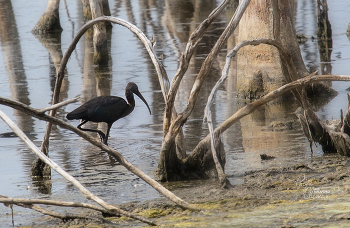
(107,134)
(100,133)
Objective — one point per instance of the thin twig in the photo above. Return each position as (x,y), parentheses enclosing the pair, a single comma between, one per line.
(55,106)
(207,117)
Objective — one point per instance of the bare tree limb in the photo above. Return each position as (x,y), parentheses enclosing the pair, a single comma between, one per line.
(230,55)
(9,200)
(28,203)
(63,103)
(249,108)
(207,117)
(176,126)
(182,117)
(118,156)
(191,46)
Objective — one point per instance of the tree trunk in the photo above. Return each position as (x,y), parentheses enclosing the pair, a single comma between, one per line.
(259,68)
(101,56)
(50,20)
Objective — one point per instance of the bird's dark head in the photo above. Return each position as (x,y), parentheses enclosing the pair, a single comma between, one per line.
(132,87)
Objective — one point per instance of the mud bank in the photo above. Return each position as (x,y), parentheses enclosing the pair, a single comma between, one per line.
(314,194)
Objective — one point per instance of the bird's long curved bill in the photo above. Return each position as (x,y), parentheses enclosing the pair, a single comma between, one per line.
(144,101)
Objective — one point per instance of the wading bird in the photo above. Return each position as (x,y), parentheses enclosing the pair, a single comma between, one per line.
(107,109)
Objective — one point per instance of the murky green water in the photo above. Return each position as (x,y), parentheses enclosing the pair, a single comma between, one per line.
(27,74)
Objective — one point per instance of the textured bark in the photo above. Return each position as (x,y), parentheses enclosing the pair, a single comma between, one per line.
(260,69)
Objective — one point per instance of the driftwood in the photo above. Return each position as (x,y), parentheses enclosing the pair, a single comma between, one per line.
(30,203)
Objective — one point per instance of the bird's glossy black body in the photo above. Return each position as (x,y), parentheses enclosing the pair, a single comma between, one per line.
(107,109)
(102,109)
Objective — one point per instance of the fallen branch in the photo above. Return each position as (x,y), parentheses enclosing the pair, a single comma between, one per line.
(29,203)
(118,156)
(9,200)
(64,217)
(86,193)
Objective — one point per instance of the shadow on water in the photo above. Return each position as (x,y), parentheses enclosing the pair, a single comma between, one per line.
(27,75)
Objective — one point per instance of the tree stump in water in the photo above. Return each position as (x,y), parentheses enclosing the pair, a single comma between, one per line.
(50,20)
(332,136)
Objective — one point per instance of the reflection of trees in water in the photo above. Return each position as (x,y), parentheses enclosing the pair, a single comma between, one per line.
(316,55)
(11,50)
(306,24)
(324,34)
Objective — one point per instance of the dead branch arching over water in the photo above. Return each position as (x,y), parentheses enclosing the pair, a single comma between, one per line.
(52,120)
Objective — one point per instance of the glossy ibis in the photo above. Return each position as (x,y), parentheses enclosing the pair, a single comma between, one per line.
(107,109)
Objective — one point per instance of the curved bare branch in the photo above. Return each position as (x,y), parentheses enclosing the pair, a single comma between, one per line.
(249,108)
(191,46)
(118,156)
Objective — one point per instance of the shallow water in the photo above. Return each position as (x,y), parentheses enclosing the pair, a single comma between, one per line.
(27,74)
